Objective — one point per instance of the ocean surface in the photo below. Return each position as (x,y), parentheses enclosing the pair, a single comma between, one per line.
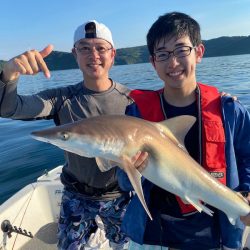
(23,159)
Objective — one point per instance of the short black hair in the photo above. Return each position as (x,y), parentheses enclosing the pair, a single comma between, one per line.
(173,24)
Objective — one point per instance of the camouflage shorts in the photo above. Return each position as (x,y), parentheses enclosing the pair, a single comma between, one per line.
(77,220)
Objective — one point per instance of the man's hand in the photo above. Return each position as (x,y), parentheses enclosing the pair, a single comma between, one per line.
(28,63)
(246,219)
(227,94)
(140,160)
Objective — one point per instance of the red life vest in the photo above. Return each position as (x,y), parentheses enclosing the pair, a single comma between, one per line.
(213,135)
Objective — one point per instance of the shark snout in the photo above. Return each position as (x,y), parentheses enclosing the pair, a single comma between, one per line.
(40,136)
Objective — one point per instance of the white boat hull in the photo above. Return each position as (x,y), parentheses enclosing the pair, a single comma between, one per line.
(36,209)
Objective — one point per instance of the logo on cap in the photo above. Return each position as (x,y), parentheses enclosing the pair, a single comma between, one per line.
(90,30)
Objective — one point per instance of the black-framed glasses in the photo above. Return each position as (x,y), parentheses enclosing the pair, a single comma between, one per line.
(179,52)
(86,50)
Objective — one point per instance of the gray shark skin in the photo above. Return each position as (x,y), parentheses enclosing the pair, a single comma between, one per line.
(117,138)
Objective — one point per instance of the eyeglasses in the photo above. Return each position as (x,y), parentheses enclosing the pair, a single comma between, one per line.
(86,50)
(179,52)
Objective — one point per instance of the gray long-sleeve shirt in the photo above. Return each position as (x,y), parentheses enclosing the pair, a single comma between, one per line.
(65,105)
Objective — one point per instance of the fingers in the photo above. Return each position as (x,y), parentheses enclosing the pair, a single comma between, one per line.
(235,98)
(42,65)
(46,51)
(28,63)
(140,160)
(245,219)
(227,94)
(246,195)
(135,157)
(33,63)
(19,67)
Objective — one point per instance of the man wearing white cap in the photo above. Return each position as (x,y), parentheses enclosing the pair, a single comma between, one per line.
(88,191)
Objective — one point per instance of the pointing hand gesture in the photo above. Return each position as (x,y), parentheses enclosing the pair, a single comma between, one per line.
(28,63)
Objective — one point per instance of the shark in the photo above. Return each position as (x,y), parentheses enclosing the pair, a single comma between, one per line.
(114,139)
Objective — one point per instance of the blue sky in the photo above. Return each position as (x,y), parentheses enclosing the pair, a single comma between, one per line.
(32,24)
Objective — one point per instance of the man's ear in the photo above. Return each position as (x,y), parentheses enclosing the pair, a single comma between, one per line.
(151,59)
(74,52)
(113,52)
(200,50)
(113,56)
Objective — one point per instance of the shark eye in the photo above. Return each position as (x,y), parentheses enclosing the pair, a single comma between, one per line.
(64,136)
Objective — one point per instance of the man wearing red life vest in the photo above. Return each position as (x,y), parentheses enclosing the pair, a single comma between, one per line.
(219,141)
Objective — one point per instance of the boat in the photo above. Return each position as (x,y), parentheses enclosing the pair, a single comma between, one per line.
(29,218)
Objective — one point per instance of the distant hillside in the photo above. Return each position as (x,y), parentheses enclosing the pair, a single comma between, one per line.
(61,60)
(132,55)
(225,46)
(222,46)
(1,64)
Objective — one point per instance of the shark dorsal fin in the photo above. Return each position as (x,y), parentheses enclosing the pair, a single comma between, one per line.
(176,128)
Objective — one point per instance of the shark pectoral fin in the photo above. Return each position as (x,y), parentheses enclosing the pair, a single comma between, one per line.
(135,178)
(199,206)
(104,164)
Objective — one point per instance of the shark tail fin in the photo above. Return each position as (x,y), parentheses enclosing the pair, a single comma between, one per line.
(135,178)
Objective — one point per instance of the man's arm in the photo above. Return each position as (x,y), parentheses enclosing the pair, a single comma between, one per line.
(239,121)
(23,107)
(243,158)
(242,146)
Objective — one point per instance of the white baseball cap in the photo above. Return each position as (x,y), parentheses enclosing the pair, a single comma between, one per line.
(93,29)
